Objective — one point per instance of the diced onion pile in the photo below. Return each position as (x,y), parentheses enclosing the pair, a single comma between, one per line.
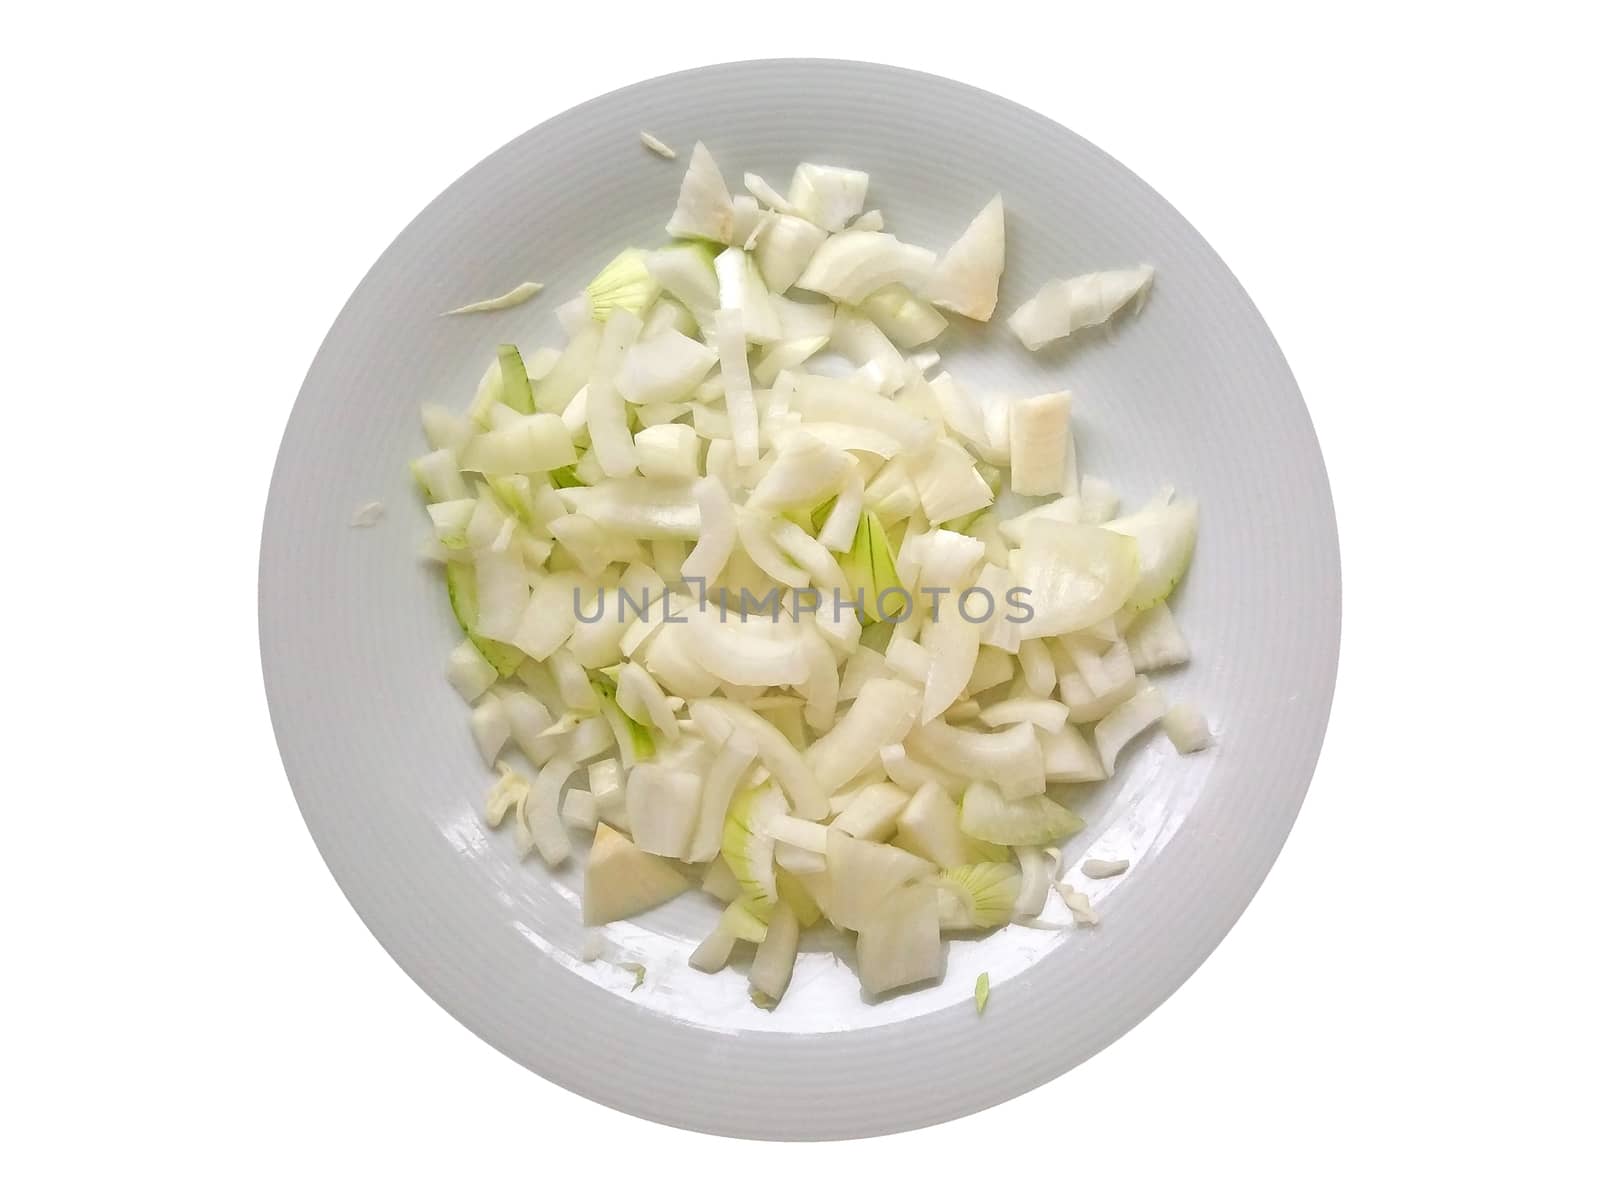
(608,514)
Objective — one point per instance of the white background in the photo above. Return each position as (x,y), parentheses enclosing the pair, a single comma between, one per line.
(1407,191)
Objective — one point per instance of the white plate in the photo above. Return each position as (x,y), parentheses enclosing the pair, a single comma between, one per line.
(355,629)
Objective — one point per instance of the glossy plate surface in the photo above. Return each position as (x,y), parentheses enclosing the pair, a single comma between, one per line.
(355,628)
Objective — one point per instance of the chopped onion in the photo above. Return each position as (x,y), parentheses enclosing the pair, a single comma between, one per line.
(850,266)
(797,714)
(1049,716)
(738,397)
(1165,533)
(1025,821)
(1075,575)
(668,452)
(775,956)
(827,196)
(1068,758)
(1065,305)
(516,296)
(705,209)
(740,287)
(538,816)
(819,398)
(624,283)
(806,796)
(967,279)
(1036,877)
(765,193)
(784,248)
(1186,727)
(982,895)
(1041,441)
(1011,759)
(1125,722)
(907,319)
(881,715)
(663,369)
(800,319)
(656,146)
(607,420)
(686,271)
(785,356)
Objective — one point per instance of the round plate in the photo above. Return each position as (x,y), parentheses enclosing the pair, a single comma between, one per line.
(355,627)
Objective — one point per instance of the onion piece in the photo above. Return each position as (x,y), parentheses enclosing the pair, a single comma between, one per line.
(705,208)
(978,895)
(737,396)
(863,343)
(784,248)
(1154,640)
(641,697)
(528,445)
(967,279)
(737,924)
(733,760)
(881,715)
(907,319)
(804,471)
(1026,821)
(900,944)
(686,271)
(607,420)
(634,507)
(871,814)
(785,356)
(1068,758)
(668,452)
(807,797)
(1165,533)
(1125,722)
(1036,877)
(1186,726)
(663,369)
(850,266)
(766,193)
(762,655)
(490,727)
(663,807)
(623,283)
(508,792)
(1100,868)
(1065,305)
(827,196)
(838,531)
(775,956)
(820,398)
(863,875)
(947,484)
(1011,759)
(655,145)
(756,539)
(1075,575)
(740,287)
(1038,668)
(1049,716)
(439,476)
(469,672)
(1066,509)
(539,824)
(1041,446)
(517,295)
